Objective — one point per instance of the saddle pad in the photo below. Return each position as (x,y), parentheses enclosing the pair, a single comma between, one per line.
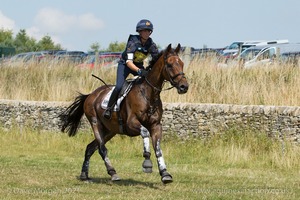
(120,98)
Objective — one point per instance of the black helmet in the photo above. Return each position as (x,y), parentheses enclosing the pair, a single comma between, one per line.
(144,24)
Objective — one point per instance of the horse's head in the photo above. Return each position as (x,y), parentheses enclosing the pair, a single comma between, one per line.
(173,69)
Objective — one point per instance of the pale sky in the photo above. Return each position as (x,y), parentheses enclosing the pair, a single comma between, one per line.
(77,24)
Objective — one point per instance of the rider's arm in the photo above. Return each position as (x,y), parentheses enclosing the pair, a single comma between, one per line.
(132,66)
(130,63)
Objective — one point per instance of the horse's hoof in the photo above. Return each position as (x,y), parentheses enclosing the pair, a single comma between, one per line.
(147,170)
(115,177)
(166,178)
(147,166)
(84,176)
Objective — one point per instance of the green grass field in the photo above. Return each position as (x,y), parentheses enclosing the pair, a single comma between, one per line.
(229,166)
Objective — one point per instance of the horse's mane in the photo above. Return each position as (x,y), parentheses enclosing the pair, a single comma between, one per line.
(155,58)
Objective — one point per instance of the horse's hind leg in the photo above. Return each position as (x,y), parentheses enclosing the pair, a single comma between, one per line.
(98,133)
(147,164)
(90,149)
(110,169)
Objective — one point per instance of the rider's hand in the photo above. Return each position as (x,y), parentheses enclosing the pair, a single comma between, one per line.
(142,72)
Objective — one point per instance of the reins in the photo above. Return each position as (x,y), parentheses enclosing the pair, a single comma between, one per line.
(157,89)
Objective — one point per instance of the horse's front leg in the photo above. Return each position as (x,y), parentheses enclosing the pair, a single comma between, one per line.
(156,140)
(147,164)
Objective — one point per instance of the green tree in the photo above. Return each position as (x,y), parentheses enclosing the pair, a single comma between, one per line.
(116,46)
(23,43)
(46,43)
(95,47)
(6,38)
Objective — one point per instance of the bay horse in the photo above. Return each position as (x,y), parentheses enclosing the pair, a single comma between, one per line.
(141,111)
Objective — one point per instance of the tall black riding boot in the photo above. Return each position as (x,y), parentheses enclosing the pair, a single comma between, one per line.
(110,105)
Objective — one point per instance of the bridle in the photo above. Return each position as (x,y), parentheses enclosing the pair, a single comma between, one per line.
(171,78)
(173,83)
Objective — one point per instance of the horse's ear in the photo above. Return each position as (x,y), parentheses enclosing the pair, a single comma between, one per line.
(169,47)
(178,48)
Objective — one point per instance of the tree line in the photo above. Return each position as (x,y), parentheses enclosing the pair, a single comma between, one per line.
(24,43)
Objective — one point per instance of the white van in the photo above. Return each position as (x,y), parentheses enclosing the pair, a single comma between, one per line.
(260,55)
(239,46)
(234,48)
(269,42)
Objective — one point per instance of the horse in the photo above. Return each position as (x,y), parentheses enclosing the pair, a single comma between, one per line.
(139,113)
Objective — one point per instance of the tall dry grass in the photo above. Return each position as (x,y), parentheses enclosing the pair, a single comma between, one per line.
(49,82)
(264,85)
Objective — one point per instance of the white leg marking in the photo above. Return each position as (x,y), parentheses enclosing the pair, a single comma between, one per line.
(161,163)
(146,144)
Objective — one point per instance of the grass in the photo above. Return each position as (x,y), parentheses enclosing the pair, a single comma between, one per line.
(227,166)
(265,85)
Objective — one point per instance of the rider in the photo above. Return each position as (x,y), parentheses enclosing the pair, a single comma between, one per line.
(137,49)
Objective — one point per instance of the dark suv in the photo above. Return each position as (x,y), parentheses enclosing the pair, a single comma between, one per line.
(72,56)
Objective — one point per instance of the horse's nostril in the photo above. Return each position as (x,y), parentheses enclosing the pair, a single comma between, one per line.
(183,88)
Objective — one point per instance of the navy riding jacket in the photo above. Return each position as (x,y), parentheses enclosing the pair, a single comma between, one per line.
(140,51)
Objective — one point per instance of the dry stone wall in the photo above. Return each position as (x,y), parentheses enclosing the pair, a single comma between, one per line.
(186,120)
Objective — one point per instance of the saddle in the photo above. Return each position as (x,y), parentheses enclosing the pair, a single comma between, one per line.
(123,93)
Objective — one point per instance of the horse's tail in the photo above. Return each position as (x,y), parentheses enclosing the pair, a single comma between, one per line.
(72,115)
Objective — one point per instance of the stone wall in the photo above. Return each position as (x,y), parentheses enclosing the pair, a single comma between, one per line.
(187,120)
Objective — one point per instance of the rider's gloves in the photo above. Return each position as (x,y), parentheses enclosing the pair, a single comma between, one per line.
(142,72)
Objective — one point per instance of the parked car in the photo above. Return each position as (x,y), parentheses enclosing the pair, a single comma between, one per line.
(59,53)
(268,53)
(233,49)
(236,48)
(104,60)
(18,57)
(15,60)
(37,56)
(205,52)
(70,56)
(250,53)
(268,42)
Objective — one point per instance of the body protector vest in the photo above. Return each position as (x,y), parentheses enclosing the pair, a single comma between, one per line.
(140,52)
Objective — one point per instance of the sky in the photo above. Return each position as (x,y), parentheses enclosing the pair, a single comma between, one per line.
(77,24)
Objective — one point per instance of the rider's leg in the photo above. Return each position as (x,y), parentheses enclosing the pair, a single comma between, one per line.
(111,103)
(122,73)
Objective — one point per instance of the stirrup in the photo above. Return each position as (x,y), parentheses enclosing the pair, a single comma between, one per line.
(107,113)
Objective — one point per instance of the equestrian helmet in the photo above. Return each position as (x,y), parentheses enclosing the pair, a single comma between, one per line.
(144,24)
